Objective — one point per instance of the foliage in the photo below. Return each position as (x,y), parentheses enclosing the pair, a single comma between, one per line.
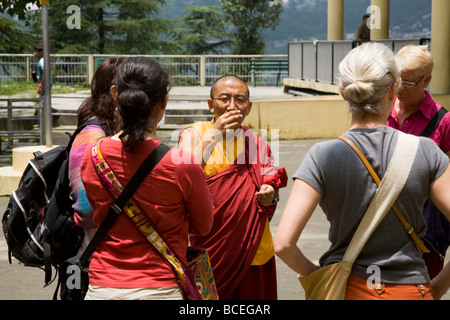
(65,40)
(30,88)
(160,26)
(307,20)
(299,21)
(110,26)
(17,7)
(136,26)
(202,31)
(13,37)
(249,18)
(133,28)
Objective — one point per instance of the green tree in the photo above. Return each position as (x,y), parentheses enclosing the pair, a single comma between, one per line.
(110,27)
(13,37)
(249,18)
(202,31)
(134,28)
(87,39)
(17,7)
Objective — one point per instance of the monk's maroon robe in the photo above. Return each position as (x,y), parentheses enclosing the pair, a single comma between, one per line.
(239,220)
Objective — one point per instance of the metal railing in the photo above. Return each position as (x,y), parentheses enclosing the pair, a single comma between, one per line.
(184,69)
(21,118)
(318,61)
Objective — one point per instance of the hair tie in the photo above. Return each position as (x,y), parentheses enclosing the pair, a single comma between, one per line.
(115,64)
(135,87)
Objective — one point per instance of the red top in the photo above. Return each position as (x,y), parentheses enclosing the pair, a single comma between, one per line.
(419,119)
(175,198)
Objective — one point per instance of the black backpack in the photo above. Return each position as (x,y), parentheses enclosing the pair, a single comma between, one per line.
(38,223)
(438,227)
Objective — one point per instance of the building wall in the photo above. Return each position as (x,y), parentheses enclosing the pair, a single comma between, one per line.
(323,117)
(301,118)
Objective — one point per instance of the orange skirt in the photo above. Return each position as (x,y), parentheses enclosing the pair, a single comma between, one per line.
(357,289)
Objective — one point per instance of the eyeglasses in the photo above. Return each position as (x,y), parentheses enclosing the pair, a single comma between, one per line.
(238,100)
(409,84)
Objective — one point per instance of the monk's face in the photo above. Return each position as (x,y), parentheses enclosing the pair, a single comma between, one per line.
(230,94)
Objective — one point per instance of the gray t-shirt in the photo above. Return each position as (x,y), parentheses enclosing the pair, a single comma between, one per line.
(334,169)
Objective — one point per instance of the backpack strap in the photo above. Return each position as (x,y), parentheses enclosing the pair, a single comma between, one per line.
(143,223)
(115,208)
(434,122)
(95,121)
(408,227)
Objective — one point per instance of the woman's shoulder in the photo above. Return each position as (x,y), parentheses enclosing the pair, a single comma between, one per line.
(89,134)
(326,146)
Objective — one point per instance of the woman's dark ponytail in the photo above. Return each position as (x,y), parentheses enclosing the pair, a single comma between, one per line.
(142,84)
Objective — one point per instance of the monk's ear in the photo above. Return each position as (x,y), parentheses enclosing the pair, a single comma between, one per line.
(211,105)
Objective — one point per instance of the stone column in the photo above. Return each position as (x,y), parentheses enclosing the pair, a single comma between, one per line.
(379,19)
(440,47)
(335,20)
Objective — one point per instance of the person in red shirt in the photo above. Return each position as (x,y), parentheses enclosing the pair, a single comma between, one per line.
(413,110)
(174,196)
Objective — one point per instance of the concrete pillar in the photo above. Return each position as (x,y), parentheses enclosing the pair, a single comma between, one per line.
(440,46)
(202,71)
(91,67)
(379,19)
(335,20)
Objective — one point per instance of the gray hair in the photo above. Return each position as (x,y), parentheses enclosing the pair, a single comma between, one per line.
(366,74)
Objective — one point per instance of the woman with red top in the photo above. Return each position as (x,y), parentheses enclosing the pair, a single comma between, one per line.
(174,196)
(99,105)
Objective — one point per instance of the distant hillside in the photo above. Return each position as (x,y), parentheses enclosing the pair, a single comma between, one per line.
(174,9)
(307,19)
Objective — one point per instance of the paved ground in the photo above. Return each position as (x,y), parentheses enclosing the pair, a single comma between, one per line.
(25,283)
(20,282)
(178,96)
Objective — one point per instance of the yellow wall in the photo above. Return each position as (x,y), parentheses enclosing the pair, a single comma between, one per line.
(301,118)
(323,117)
(442,99)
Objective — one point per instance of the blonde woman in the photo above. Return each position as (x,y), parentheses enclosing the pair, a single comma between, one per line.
(413,110)
(333,176)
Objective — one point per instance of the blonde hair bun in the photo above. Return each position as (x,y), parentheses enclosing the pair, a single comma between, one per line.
(359,91)
(366,74)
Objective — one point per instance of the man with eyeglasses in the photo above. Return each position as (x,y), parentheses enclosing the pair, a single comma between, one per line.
(244,183)
(415,112)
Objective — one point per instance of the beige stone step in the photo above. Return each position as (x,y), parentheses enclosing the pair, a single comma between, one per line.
(10,176)
(9,180)
(21,156)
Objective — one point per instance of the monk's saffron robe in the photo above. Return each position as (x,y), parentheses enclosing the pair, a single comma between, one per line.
(240,237)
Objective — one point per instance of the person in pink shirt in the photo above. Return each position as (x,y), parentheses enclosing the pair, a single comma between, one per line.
(413,110)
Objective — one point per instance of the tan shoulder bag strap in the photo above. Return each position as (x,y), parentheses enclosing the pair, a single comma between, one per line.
(410,146)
